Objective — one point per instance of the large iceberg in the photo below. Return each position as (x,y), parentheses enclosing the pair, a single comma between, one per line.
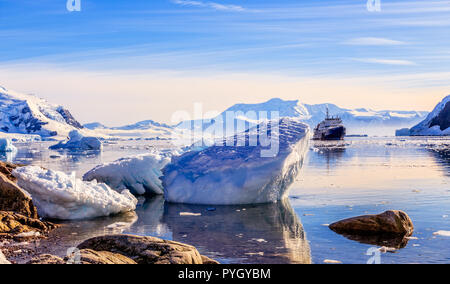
(78,142)
(6,146)
(59,196)
(139,174)
(230,175)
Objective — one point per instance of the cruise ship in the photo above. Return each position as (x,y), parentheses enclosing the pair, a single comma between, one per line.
(331,128)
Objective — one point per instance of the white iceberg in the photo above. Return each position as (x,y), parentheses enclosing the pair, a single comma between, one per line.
(231,175)
(6,146)
(139,174)
(78,142)
(59,196)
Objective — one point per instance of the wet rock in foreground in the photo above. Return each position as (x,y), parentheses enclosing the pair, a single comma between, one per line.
(12,197)
(147,250)
(392,225)
(46,259)
(14,224)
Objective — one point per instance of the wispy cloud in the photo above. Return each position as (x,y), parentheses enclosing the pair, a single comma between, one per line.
(373,41)
(213,5)
(386,61)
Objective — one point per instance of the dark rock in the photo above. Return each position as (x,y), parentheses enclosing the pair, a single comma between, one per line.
(88,256)
(68,117)
(46,259)
(391,222)
(7,169)
(13,224)
(146,250)
(443,119)
(12,197)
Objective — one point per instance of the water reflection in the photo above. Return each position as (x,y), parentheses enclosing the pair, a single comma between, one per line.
(72,233)
(442,157)
(387,240)
(268,233)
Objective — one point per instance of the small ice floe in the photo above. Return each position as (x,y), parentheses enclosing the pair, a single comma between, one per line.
(190,214)
(255,254)
(30,234)
(259,240)
(260,172)
(6,146)
(442,233)
(78,142)
(387,249)
(444,216)
(412,238)
(139,174)
(331,261)
(59,196)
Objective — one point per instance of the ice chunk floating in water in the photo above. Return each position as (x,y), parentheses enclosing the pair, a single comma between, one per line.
(59,196)
(230,175)
(139,174)
(6,146)
(78,142)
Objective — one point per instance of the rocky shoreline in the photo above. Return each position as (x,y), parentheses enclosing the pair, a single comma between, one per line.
(21,231)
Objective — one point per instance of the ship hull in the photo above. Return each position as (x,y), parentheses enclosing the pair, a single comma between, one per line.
(334,133)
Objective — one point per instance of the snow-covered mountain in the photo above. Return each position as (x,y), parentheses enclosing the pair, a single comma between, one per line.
(436,123)
(357,121)
(28,114)
(143,129)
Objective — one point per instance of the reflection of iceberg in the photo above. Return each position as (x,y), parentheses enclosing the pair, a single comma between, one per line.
(151,219)
(72,233)
(442,156)
(228,175)
(266,233)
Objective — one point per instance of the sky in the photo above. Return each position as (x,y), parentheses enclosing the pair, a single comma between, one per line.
(122,61)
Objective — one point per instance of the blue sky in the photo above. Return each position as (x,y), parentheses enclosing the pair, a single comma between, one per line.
(167,54)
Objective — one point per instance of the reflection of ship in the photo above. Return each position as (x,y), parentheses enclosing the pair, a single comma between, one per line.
(331,128)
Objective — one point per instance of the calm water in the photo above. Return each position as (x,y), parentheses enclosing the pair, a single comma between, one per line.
(338,180)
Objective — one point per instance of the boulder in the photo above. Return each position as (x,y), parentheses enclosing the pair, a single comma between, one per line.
(14,224)
(7,169)
(3,259)
(46,259)
(13,198)
(391,222)
(89,256)
(146,250)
